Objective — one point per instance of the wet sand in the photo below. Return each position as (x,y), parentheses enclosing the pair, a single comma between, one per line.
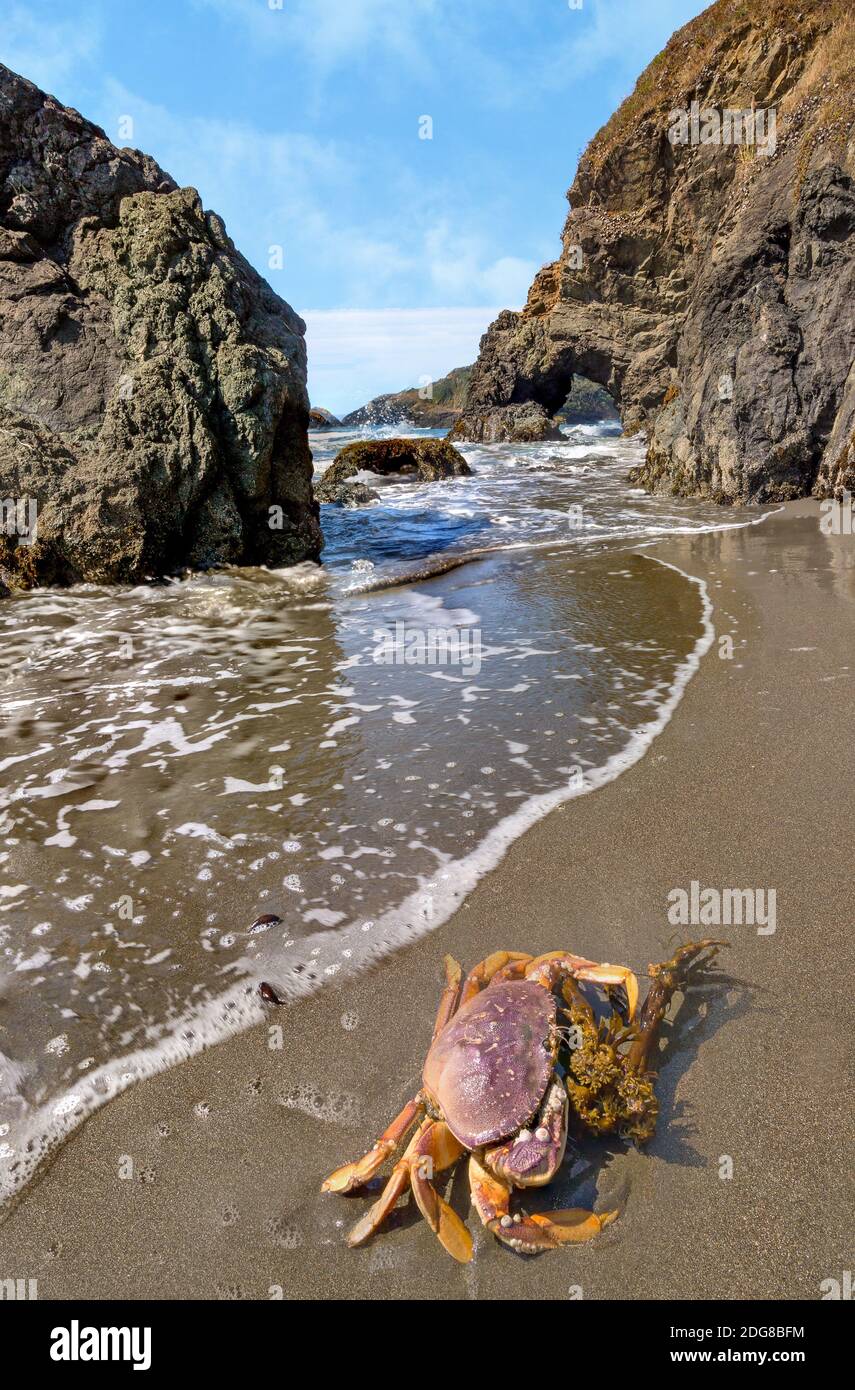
(750,786)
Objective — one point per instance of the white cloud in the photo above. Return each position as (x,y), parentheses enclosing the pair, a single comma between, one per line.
(445,39)
(273,189)
(421,243)
(613,38)
(395,37)
(356,354)
(458,265)
(334,31)
(288,190)
(46,52)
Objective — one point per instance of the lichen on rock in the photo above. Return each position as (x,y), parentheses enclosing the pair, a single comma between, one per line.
(152,386)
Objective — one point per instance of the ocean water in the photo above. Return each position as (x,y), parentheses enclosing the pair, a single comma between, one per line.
(342,750)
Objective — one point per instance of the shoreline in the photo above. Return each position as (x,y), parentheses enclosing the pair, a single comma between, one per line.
(227,1206)
(344,951)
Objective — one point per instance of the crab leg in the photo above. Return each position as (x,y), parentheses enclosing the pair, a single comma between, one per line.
(397,1185)
(435,1150)
(550,969)
(481,974)
(529,1234)
(432,1149)
(666,978)
(364,1169)
(514,970)
(448,1003)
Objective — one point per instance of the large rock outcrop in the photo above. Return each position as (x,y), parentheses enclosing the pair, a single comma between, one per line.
(709,286)
(153,397)
(421,460)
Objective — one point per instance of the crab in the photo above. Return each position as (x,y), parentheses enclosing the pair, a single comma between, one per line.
(505,1082)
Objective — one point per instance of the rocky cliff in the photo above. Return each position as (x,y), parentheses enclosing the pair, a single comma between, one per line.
(153,406)
(707,275)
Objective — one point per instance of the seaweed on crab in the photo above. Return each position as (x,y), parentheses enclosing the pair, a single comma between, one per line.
(505,1081)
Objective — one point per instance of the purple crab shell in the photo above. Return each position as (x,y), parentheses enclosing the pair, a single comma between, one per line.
(489,1068)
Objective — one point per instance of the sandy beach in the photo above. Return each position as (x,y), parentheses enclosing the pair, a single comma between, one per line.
(749,786)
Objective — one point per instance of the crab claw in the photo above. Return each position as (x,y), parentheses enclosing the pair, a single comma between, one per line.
(574,1225)
(529,1235)
(613,975)
(534,1155)
(551,969)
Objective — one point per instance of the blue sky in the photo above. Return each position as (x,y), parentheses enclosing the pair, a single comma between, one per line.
(299,122)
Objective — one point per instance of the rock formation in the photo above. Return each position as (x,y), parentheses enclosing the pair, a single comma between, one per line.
(439,410)
(320,419)
(423,460)
(153,400)
(586,402)
(707,276)
(346,493)
(524,422)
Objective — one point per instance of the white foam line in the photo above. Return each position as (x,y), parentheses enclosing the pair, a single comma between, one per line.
(625,542)
(323,953)
(446,561)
